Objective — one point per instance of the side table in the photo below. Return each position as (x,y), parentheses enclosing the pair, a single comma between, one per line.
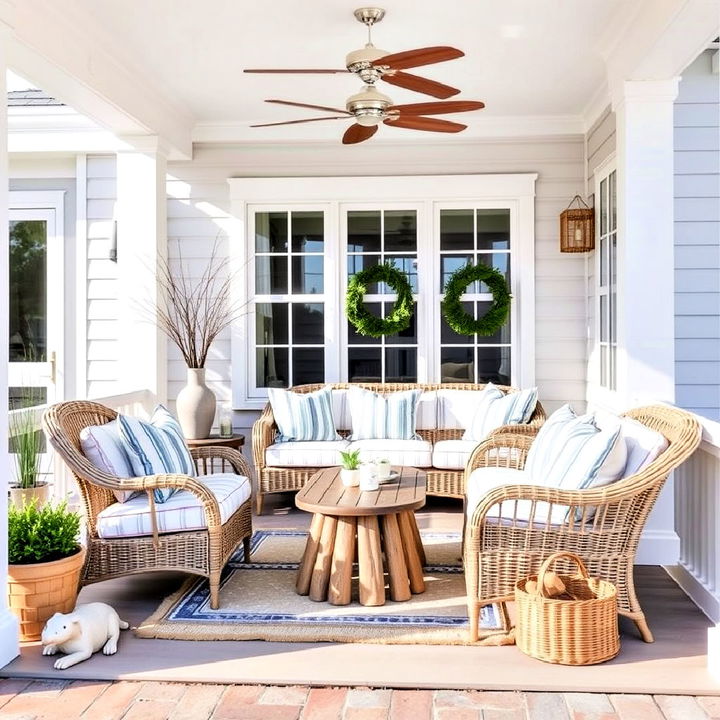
(234,441)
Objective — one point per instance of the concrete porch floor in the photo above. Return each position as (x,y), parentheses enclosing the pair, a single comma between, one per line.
(674,664)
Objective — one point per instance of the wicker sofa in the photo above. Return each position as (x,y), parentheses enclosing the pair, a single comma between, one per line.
(444,410)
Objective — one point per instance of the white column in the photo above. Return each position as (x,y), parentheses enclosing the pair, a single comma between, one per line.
(646,269)
(141,239)
(9,646)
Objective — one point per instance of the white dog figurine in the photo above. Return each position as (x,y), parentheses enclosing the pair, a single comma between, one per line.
(81,633)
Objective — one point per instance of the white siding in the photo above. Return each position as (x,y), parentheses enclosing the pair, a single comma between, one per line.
(198,213)
(102,307)
(697,240)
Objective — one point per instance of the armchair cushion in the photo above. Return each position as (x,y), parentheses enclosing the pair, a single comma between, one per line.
(484,479)
(156,448)
(183,511)
(305,454)
(497,409)
(303,416)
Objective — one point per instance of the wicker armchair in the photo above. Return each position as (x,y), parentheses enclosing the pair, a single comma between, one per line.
(604,524)
(442,482)
(199,552)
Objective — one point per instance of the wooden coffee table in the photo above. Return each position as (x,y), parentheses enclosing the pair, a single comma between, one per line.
(349,524)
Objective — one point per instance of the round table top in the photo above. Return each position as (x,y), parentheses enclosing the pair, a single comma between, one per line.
(234,441)
(324,493)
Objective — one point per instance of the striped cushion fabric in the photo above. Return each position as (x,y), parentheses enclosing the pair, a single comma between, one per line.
(569,451)
(102,446)
(388,417)
(156,447)
(303,416)
(497,409)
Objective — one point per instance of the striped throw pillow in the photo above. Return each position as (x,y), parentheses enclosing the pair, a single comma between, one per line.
(569,451)
(385,417)
(303,416)
(156,447)
(497,409)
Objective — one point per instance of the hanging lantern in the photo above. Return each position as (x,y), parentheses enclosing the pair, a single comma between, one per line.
(577,227)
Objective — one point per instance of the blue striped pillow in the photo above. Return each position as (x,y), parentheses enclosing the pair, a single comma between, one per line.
(156,447)
(497,409)
(569,450)
(303,416)
(388,417)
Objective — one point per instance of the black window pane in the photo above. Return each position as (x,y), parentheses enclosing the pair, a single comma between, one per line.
(28,304)
(271,232)
(400,230)
(355,338)
(356,263)
(457,365)
(494,365)
(307,274)
(364,364)
(308,232)
(493,229)
(270,275)
(501,336)
(448,335)
(24,397)
(500,261)
(308,365)
(450,264)
(405,337)
(272,367)
(407,265)
(456,230)
(271,324)
(308,323)
(400,364)
(363,231)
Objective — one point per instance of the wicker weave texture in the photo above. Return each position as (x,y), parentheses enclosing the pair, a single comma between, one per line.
(447,483)
(201,552)
(603,528)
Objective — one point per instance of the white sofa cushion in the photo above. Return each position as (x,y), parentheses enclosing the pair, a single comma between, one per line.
(456,408)
(102,446)
(413,453)
(182,511)
(303,416)
(426,413)
(452,454)
(497,409)
(309,453)
(387,416)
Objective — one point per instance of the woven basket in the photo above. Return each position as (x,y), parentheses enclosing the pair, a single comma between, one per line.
(583,631)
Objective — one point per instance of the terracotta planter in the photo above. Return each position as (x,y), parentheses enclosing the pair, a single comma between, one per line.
(19,497)
(39,590)
(196,406)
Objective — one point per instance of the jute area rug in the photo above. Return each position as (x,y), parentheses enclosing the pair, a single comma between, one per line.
(258,602)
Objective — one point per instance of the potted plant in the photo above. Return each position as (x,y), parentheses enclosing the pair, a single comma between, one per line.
(350,473)
(26,445)
(44,564)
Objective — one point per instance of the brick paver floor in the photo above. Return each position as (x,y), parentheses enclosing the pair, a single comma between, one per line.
(67,700)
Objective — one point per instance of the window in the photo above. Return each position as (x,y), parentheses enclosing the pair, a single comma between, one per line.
(606,273)
(300,239)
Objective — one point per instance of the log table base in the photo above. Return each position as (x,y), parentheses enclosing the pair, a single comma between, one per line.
(334,543)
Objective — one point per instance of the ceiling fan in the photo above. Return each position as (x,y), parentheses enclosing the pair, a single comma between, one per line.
(372,64)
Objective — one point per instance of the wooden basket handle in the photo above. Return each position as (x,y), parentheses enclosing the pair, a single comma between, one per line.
(550,560)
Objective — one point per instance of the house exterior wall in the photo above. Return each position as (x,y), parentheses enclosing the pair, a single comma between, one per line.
(697,239)
(199,212)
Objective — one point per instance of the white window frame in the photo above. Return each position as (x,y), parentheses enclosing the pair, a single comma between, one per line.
(426,193)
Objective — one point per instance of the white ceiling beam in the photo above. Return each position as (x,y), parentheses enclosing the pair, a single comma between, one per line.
(75,60)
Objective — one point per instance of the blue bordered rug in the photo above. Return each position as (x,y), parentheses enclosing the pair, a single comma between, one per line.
(258,602)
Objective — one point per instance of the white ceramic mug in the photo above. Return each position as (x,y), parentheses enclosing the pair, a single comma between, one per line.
(368,477)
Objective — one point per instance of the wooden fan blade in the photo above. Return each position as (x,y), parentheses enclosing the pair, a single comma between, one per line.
(421,56)
(312,107)
(295,122)
(420,84)
(437,108)
(425,123)
(295,70)
(358,133)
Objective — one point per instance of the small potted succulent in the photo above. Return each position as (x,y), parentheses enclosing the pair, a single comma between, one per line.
(44,564)
(350,473)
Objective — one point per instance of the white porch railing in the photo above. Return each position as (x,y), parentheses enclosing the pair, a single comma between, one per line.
(139,403)
(697,522)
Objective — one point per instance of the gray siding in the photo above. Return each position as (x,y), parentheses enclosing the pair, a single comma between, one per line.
(697,240)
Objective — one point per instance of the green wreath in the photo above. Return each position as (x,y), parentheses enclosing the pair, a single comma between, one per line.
(494,318)
(362,319)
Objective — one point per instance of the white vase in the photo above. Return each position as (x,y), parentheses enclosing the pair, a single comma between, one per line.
(350,478)
(196,406)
